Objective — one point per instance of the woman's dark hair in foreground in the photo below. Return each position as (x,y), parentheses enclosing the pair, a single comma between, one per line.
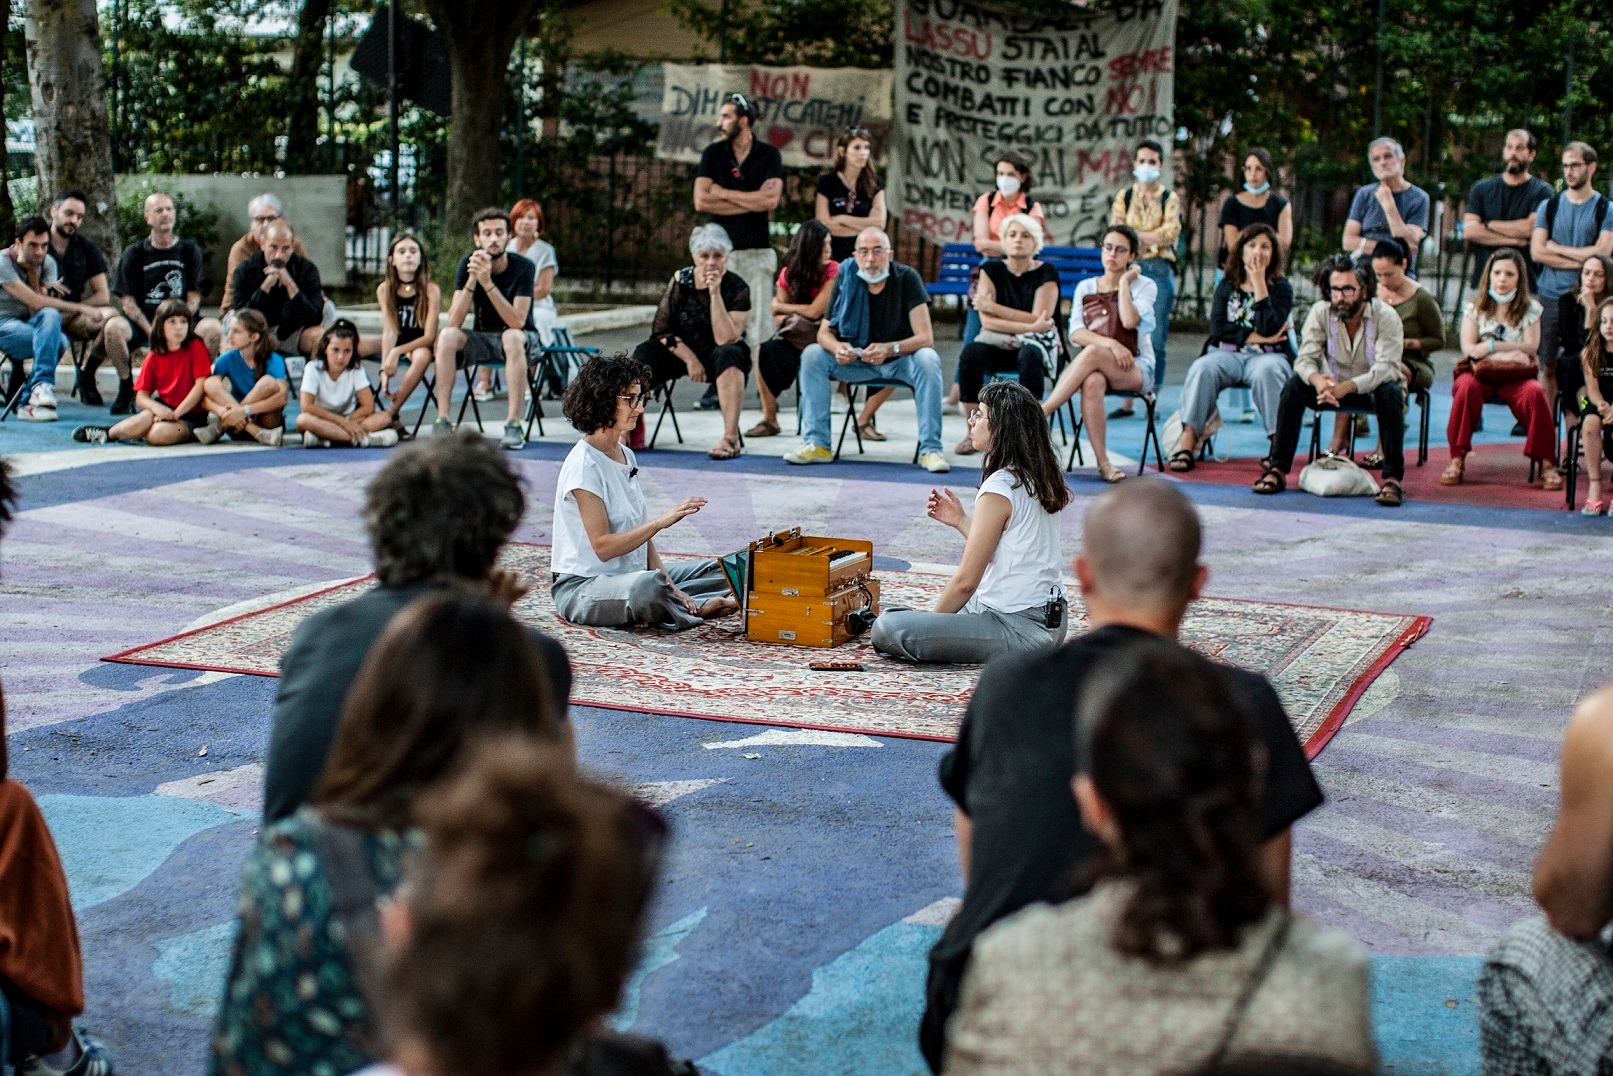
(803,262)
(526,914)
(1169,748)
(1021,445)
(441,509)
(449,668)
(590,400)
(8,511)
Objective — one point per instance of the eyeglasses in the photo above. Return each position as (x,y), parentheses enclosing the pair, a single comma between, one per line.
(633,398)
(870,252)
(266,219)
(1343,289)
(975,416)
(1116,248)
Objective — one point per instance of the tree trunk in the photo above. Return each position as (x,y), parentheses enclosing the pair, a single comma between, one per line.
(480,35)
(73,147)
(7,214)
(302,87)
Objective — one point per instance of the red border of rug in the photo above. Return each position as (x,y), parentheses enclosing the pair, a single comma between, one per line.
(1319,739)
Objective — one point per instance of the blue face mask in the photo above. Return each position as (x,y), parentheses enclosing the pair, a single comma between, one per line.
(1262,189)
(873,278)
(1503,297)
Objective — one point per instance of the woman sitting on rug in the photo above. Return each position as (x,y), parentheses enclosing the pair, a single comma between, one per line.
(1500,342)
(1178,959)
(1112,322)
(1005,595)
(607,573)
(451,667)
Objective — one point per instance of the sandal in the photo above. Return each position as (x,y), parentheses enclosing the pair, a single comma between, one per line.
(1372,460)
(870,432)
(1110,474)
(1551,479)
(1594,508)
(1390,495)
(726,450)
(1453,472)
(965,447)
(764,428)
(1182,461)
(1273,481)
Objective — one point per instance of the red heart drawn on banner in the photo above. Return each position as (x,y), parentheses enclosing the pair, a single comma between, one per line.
(780,136)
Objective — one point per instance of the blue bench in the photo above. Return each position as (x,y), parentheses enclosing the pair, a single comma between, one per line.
(958,260)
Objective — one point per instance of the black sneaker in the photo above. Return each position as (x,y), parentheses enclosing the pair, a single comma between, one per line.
(92,435)
(88,394)
(123,404)
(708,402)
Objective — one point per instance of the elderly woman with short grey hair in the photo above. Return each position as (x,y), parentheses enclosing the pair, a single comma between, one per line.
(699,331)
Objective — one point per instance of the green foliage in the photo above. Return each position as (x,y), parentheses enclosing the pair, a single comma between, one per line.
(192,221)
(819,33)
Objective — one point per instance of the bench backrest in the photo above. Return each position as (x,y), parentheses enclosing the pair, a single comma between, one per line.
(1074,264)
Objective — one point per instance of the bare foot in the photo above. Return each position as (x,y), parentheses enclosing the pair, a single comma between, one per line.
(717,607)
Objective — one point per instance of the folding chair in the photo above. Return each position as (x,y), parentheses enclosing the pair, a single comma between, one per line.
(561,359)
(1572,455)
(860,390)
(1424,403)
(1151,436)
(78,351)
(19,378)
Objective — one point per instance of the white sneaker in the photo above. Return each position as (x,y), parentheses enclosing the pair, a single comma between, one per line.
(35,413)
(208,434)
(43,396)
(482,395)
(311,441)
(935,463)
(381,438)
(272,438)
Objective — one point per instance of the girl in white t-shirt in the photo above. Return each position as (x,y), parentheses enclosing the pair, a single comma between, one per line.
(338,406)
(1006,594)
(606,568)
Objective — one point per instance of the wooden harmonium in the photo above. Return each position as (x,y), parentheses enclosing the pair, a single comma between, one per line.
(806,590)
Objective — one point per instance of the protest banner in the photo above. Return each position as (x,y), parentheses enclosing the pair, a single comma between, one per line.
(803,109)
(1075,94)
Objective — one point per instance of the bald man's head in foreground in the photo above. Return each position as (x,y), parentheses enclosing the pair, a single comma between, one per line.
(1140,544)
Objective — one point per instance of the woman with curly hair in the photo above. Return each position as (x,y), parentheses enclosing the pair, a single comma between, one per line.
(1179,958)
(607,572)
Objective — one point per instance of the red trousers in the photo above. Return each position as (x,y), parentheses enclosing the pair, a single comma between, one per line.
(1527,401)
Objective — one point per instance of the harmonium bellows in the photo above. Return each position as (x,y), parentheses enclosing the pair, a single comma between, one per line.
(804,588)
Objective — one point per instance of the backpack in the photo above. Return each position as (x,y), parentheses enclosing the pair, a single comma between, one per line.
(1551,211)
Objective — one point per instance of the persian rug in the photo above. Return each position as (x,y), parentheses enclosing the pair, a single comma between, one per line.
(1320,660)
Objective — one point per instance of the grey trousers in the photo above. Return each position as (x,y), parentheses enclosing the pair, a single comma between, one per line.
(1264,373)
(961,638)
(620,601)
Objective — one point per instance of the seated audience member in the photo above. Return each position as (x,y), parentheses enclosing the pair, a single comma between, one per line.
(1020,834)
(1112,322)
(249,388)
(1500,344)
(1422,329)
(1576,325)
(82,272)
(1257,203)
(449,669)
(1016,299)
(607,572)
(160,267)
(1349,358)
(262,211)
(800,299)
(437,515)
(527,220)
(170,390)
(498,286)
(1179,959)
(1248,344)
(1006,594)
(878,327)
(1547,986)
(337,405)
(31,317)
(699,330)
(41,968)
(409,300)
(499,961)
(284,287)
(1596,405)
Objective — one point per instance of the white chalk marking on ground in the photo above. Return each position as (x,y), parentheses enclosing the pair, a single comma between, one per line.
(938,914)
(240,787)
(798,738)
(661,793)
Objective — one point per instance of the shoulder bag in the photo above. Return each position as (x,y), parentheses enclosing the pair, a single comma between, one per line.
(1101,312)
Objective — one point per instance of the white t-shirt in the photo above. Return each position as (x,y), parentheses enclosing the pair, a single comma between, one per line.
(1026,564)
(587,468)
(544,314)
(1143,294)
(337,395)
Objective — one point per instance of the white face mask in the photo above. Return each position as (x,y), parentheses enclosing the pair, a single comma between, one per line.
(1145,173)
(1262,189)
(1008,185)
(873,278)
(1503,297)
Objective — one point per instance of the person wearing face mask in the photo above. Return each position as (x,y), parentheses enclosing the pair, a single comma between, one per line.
(1390,206)
(1257,203)
(1500,344)
(1500,210)
(1349,357)
(1153,211)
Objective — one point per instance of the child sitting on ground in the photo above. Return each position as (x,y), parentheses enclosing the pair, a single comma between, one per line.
(338,405)
(248,390)
(170,405)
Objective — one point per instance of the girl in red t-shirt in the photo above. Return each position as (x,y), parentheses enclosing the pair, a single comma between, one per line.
(168,390)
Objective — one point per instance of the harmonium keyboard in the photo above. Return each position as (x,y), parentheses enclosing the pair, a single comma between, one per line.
(807,590)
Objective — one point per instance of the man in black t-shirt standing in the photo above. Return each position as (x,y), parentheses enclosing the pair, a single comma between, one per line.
(83,270)
(498,286)
(1020,833)
(741,181)
(160,267)
(1501,208)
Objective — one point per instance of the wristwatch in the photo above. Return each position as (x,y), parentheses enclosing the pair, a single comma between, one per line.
(896,348)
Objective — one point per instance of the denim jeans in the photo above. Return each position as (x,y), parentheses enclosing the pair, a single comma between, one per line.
(920,370)
(40,338)
(1163,274)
